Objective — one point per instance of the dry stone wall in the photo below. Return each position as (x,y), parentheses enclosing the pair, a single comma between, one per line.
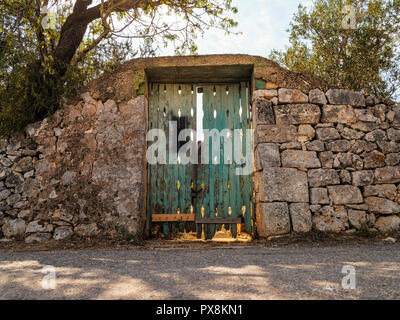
(81,171)
(326,160)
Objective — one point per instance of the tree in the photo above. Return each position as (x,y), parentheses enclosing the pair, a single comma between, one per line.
(49,47)
(352,44)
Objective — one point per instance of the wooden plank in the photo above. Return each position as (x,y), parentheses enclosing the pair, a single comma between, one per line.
(163,174)
(200,176)
(207,177)
(200,74)
(180,174)
(152,105)
(185,170)
(221,125)
(173,188)
(190,169)
(247,180)
(229,184)
(226,124)
(200,200)
(243,126)
(235,179)
(214,221)
(214,95)
(173,217)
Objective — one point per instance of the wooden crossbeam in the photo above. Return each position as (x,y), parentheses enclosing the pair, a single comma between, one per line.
(192,218)
(219,220)
(173,217)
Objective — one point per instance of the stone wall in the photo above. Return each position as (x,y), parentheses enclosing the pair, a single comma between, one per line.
(328,161)
(80,171)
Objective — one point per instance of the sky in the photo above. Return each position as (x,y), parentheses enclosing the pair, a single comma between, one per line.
(263,24)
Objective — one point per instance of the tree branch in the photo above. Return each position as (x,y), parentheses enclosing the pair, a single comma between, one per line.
(74,28)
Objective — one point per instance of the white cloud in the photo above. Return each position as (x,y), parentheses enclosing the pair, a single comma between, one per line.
(263,24)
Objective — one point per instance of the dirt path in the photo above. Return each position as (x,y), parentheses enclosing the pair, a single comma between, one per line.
(303,271)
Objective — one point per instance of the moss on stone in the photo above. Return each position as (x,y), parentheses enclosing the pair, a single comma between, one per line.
(129,79)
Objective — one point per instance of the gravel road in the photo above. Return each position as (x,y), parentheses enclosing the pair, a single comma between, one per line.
(254,272)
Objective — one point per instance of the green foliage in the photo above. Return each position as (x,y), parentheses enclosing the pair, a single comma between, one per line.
(134,239)
(105,58)
(32,84)
(37,77)
(34,92)
(364,58)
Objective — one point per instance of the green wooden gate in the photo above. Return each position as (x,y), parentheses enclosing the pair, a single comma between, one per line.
(212,193)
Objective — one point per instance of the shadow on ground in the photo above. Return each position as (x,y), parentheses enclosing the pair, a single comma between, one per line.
(292,272)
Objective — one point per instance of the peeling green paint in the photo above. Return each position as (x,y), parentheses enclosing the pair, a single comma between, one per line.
(260,84)
(139,88)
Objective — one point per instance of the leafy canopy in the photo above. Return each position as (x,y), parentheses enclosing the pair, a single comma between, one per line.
(362,54)
(49,48)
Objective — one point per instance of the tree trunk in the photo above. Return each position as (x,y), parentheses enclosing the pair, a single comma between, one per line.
(74,29)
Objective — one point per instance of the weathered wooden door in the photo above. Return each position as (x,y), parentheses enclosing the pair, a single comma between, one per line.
(212,192)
